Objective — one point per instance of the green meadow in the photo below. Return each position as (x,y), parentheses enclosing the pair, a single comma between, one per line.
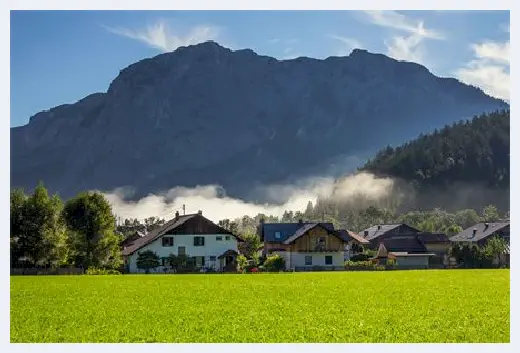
(319,307)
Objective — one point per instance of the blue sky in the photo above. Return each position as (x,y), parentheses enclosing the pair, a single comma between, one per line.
(59,57)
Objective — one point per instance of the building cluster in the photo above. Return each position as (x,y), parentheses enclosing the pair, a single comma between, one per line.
(303,245)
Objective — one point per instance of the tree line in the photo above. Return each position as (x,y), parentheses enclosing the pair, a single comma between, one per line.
(45,232)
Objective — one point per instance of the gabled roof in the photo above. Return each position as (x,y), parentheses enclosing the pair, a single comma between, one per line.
(286,230)
(158,232)
(480,231)
(347,235)
(409,244)
(308,226)
(378,230)
(433,238)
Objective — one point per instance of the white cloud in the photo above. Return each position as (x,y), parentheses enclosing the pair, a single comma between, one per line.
(161,37)
(408,47)
(209,198)
(347,44)
(397,21)
(489,70)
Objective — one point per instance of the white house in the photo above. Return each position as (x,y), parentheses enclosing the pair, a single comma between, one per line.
(193,235)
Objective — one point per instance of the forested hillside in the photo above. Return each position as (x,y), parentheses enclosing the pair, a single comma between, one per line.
(463,165)
(475,151)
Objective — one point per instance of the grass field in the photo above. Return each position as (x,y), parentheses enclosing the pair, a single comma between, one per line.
(397,306)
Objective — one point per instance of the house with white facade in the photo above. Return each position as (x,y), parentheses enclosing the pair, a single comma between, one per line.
(306,245)
(193,235)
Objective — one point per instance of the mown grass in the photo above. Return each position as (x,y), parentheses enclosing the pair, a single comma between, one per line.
(398,306)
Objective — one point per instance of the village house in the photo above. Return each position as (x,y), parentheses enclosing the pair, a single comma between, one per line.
(480,233)
(306,245)
(403,259)
(193,235)
(404,239)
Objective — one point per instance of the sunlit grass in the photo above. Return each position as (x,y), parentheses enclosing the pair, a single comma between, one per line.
(394,306)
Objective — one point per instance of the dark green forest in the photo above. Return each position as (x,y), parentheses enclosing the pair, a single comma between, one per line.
(465,165)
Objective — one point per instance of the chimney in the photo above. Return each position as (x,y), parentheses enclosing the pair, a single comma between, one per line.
(366,233)
(176,214)
(487,225)
(300,221)
(474,231)
(200,213)
(378,226)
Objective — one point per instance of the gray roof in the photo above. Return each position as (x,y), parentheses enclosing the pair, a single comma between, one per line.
(378,230)
(404,244)
(480,231)
(347,235)
(286,230)
(432,238)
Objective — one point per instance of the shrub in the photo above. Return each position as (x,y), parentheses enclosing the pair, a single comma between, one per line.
(101,271)
(274,263)
(363,266)
(242,263)
(360,257)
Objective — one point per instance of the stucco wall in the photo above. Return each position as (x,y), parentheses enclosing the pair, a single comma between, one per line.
(212,247)
(412,261)
(297,259)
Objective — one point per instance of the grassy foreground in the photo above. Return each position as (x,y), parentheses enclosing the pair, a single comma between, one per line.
(398,306)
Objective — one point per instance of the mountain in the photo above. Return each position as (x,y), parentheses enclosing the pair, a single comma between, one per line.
(205,114)
(465,165)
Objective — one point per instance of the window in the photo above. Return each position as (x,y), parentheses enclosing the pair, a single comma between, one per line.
(198,241)
(219,238)
(199,261)
(163,261)
(308,260)
(167,241)
(328,260)
(228,237)
(181,250)
(277,235)
(212,258)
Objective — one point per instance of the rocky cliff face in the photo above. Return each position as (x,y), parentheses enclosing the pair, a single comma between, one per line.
(204,114)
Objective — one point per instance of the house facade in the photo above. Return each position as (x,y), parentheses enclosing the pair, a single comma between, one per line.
(211,246)
(306,245)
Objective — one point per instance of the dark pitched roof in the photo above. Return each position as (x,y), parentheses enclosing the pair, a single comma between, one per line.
(306,227)
(480,231)
(286,230)
(132,239)
(380,229)
(347,235)
(229,252)
(433,238)
(408,244)
(158,232)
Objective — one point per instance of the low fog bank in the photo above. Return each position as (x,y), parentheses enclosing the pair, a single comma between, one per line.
(215,205)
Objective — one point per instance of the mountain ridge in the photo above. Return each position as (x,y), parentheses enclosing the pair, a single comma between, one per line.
(163,121)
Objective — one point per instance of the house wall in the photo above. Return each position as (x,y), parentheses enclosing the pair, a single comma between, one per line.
(212,247)
(297,259)
(307,242)
(412,261)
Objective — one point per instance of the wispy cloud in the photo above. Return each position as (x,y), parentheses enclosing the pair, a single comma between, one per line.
(410,46)
(161,37)
(346,44)
(489,70)
(398,21)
